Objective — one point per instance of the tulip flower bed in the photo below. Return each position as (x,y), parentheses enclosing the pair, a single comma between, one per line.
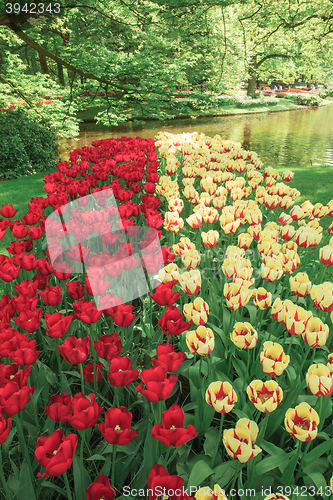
(219,378)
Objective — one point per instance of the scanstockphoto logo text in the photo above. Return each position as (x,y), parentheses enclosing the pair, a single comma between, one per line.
(161,492)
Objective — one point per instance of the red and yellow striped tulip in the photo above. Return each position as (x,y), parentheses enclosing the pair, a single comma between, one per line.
(302,422)
(221,396)
(265,395)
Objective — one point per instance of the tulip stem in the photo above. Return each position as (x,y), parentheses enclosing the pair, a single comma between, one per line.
(82,379)
(236,474)
(22,443)
(289,346)
(68,489)
(308,444)
(3,480)
(307,349)
(166,458)
(217,441)
(114,454)
(294,464)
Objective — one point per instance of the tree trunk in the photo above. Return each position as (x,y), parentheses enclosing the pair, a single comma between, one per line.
(61,74)
(251,83)
(251,86)
(43,64)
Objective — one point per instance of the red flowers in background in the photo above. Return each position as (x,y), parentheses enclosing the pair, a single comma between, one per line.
(55,453)
(117,425)
(60,407)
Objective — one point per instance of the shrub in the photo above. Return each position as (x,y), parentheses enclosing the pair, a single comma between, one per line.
(308,100)
(28,144)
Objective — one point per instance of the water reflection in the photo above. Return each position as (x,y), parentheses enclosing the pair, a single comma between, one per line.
(292,138)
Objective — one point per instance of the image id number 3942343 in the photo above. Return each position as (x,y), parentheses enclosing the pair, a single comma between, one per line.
(304,491)
(32,8)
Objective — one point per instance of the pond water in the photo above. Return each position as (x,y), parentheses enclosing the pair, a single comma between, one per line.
(286,139)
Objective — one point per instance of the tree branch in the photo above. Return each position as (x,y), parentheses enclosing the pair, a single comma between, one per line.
(270,56)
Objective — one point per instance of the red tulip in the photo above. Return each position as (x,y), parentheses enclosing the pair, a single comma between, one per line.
(172,431)
(29,262)
(35,233)
(100,489)
(24,302)
(108,346)
(164,296)
(55,453)
(168,358)
(86,311)
(116,429)
(57,324)
(11,373)
(60,407)
(75,350)
(75,290)
(171,323)
(7,211)
(88,372)
(159,480)
(159,387)
(122,315)
(29,320)
(4,428)
(44,267)
(85,413)
(13,398)
(120,373)
(26,287)
(52,295)
(19,230)
(8,271)
(26,353)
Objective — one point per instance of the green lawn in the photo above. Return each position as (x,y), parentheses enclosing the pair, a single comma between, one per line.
(19,192)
